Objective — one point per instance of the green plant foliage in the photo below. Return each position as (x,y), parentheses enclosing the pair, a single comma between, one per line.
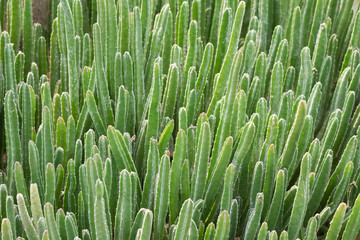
(129,119)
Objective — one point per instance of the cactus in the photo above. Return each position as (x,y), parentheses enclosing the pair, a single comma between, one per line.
(180,120)
(15,11)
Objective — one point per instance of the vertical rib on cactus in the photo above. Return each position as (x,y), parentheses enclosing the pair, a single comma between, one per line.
(28,35)
(162,197)
(6,230)
(230,53)
(202,155)
(28,124)
(123,209)
(301,200)
(129,85)
(52,229)
(103,93)
(29,227)
(36,207)
(156,43)
(214,179)
(71,58)
(150,177)
(224,128)
(12,137)
(102,231)
(138,58)
(15,23)
(179,157)
(154,99)
(77,10)
(9,58)
(111,43)
(54,57)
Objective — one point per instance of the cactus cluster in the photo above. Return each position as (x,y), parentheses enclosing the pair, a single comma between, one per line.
(214,119)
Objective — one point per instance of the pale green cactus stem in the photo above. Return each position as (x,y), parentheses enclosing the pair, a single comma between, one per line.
(47,137)
(71,232)
(49,184)
(294,40)
(124,26)
(145,232)
(169,98)
(253,223)
(129,85)
(119,150)
(52,228)
(201,162)
(104,98)
(138,58)
(150,177)
(184,182)
(28,123)
(224,126)
(189,62)
(184,219)
(165,136)
(228,189)
(162,197)
(156,43)
(9,57)
(29,227)
(294,135)
(71,57)
(41,54)
(19,67)
(263,231)
(230,53)
(311,229)
(70,137)
(179,157)
(54,57)
(320,47)
(70,187)
(10,212)
(154,99)
(351,227)
(78,17)
(15,23)
(60,140)
(181,23)
(20,183)
(222,42)
(94,113)
(301,199)
(214,180)
(336,222)
(36,208)
(123,210)
(277,200)
(111,40)
(12,136)
(60,222)
(319,185)
(102,230)
(6,230)
(305,75)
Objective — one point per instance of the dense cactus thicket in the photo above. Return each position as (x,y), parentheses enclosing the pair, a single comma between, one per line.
(214,119)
